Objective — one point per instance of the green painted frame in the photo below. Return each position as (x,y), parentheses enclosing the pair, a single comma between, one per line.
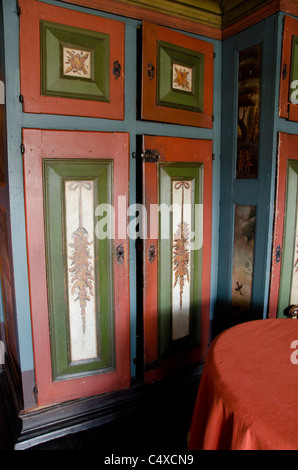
(55,173)
(167,173)
(167,54)
(53,37)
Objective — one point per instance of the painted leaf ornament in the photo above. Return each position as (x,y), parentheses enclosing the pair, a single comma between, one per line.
(181,257)
(181,246)
(81,270)
(182,78)
(76,62)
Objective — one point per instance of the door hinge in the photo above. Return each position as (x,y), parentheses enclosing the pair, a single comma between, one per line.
(35,391)
(119,254)
(151,156)
(21,98)
(18,9)
(22,149)
(277,254)
(150,71)
(151,253)
(116,69)
(284,71)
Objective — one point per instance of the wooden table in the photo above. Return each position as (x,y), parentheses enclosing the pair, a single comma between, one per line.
(248,394)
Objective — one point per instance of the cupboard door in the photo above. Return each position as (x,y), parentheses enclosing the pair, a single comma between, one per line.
(79,287)
(177,77)
(288,94)
(177,190)
(71,63)
(284,277)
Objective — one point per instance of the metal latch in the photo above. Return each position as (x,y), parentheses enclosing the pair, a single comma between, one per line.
(150,156)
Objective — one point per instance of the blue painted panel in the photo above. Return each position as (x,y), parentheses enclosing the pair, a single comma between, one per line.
(15,179)
(247,192)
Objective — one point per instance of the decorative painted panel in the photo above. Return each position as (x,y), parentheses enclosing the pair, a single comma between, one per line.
(182,262)
(180,77)
(284,285)
(74,62)
(78,62)
(177,77)
(243,259)
(288,93)
(80,288)
(79,291)
(178,201)
(180,189)
(249,85)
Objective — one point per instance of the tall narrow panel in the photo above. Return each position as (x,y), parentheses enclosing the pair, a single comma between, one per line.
(79,291)
(180,272)
(80,282)
(294,286)
(177,256)
(181,269)
(249,85)
(288,289)
(284,272)
(243,258)
(80,268)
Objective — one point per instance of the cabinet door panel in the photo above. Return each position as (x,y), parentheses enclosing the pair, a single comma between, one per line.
(80,319)
(288,107)
(71,63)
(177,77)
(284,282)
(178,202)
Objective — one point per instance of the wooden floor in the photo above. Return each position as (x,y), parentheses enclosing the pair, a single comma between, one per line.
(162,425)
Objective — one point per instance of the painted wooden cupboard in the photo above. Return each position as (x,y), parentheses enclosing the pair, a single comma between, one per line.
(109,116)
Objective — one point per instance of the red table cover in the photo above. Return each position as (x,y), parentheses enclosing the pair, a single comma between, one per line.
(248,394)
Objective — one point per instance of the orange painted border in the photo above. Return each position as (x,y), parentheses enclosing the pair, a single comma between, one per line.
(150,110)
(175,149)
(41,144)
(287,149)
(34,102)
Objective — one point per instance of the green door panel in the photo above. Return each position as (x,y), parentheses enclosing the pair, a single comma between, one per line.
(56,173)
(167,173)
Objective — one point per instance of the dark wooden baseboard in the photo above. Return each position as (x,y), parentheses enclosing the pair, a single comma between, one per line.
(47,423)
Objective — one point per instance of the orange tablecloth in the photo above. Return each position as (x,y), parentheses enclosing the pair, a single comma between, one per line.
(248,394)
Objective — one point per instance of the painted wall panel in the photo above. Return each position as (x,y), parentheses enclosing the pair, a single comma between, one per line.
(253,192)
(53,164)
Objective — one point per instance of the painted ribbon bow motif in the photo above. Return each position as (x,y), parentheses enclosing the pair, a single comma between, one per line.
(181,248)
(81,270)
